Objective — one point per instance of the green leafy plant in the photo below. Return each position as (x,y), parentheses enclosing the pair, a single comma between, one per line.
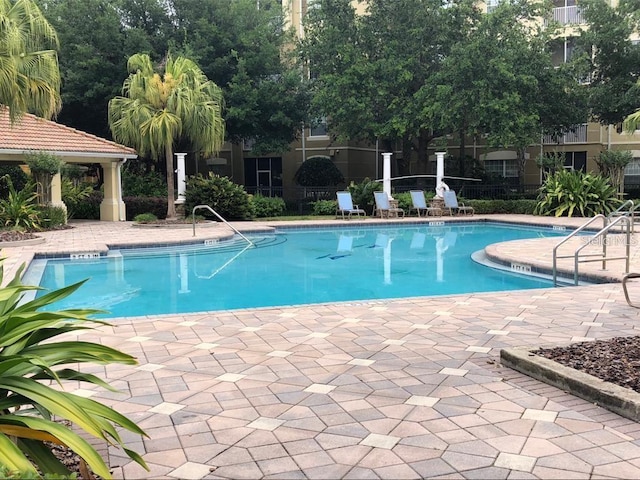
(51,217)
(145,218)
(325,207)
(74,194)
(267,206)
(318,172)
(225,197)
(18,179)
(43,166)
(19,209)
(137,205)
(574,193)
(138,182)
(30,360)
(362,193)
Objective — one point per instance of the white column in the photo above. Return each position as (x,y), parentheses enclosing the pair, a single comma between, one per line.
(180,173)
(386,173)
(439,167)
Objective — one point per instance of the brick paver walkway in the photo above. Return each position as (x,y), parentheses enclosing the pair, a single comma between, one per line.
(408,388)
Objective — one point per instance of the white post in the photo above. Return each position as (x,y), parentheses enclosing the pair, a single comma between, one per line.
(180,171)
(439,167)
(386,174)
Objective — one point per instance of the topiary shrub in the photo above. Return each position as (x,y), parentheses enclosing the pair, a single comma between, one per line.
(138,205)
(267,206)
(43,166)
(569,193)
(225,197)
(404,200)
(318,172)
(325,207)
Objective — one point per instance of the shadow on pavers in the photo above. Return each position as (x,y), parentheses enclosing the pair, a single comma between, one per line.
(623,401)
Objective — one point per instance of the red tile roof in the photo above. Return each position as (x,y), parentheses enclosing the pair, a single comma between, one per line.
(34,133)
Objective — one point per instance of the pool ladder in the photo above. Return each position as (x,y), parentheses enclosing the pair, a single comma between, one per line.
(199,207)
(600,237)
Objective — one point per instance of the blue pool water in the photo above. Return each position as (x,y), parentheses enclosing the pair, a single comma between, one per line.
(290,267)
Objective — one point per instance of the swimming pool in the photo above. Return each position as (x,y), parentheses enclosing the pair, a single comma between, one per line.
(289,267)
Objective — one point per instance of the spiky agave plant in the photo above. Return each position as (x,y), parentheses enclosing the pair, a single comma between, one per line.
(31,361)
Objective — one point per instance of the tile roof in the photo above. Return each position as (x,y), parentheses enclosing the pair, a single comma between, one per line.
(35,133)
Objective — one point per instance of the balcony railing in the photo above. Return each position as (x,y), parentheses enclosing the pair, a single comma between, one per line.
(579,135)
(568,15)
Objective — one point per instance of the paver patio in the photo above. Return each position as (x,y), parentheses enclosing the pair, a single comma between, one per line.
(407,388)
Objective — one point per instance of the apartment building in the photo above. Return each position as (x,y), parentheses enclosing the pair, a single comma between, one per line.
(273,175)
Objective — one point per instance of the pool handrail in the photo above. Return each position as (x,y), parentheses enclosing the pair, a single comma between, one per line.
(198,207)
(567,238)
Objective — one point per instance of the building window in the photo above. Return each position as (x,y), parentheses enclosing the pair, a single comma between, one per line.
(263,176)
(501,168)
(632,173)
(319,128)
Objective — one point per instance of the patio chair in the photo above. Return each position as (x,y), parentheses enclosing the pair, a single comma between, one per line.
(625,289)
(383,206)
(451,202)
(346,206)
(420,204)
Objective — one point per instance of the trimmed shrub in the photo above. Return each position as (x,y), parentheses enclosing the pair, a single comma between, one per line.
(404,200)
(521,206)
(52,217)
(154,205)
(325,207)
(145,218)
(225,197)
(318,172)
(267,206)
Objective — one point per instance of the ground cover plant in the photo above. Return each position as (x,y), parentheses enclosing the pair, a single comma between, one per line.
(32,361)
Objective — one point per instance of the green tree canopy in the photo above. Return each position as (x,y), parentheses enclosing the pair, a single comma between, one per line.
(613,60)
(29,73)
(159,108)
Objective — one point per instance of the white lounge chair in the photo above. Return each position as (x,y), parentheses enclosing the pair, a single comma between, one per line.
(346,206)
(420,204)
(451,202)
(383,207)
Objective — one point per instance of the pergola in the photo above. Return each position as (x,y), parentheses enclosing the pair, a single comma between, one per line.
(31,133)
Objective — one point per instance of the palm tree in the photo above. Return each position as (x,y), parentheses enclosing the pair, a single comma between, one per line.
(157,109)
(29,72)
(632,122)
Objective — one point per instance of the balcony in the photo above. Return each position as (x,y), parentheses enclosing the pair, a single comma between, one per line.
(578,135)
(568,15)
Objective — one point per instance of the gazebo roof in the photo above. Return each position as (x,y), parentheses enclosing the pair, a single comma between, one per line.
(31,133)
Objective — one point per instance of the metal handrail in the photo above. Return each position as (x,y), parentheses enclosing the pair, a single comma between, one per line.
(603,233)
(567,238)
(622,211)
(198,207)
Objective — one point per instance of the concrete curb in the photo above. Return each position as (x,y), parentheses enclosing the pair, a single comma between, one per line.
(620,400)
(23,243)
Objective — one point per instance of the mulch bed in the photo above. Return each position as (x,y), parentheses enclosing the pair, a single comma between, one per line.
(13,236)
(616,360)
